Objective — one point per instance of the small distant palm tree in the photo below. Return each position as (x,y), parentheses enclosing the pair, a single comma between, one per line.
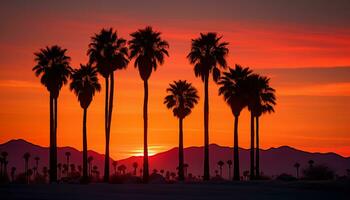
(13,174)
(84,85)
(233,86)
(109,53)
(122,169)
(36,165)
(221,164)
(4,155)
(53,67)
(68,154)
(229,164)
(59,167)
(297,166)
(207,55)
(114,164)
(135,165)
(148,49)
(26,157)
(45,172)
(90,159)
(182,98)
(311,163)
(185,169)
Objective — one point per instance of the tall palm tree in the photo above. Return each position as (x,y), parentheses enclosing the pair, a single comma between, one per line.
(233,86)
(221,164)
(229,163)
(26,157)
(148,49)
(109,53)
(68,154)
(261,99)
(297,166)
(181,99)
(84,85)
(266,103)
(207,55)
(52,65)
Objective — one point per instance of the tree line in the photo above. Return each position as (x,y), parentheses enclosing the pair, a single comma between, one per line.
(240,87)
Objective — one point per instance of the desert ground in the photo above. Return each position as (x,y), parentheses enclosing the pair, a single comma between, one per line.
(246,190)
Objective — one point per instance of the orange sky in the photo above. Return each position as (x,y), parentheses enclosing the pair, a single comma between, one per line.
(306,57)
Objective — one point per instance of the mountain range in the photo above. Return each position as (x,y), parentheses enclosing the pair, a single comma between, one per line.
(274,161)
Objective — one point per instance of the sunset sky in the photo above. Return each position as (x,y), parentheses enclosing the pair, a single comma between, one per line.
(304,46)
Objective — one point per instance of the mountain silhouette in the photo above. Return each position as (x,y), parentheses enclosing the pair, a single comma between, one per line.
(274,161)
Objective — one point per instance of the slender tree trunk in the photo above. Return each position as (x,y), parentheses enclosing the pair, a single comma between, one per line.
(85,170)
(181,152)
(145,145)
(252,175)
(257,157)
(53,145)
(236,173)
(206,176)
(110,110)
(106,171)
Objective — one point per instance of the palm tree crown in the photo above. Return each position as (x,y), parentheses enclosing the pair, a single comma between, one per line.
(207,54)
(53,67)
(182,98)
(148,49)
(108,52)
(84,84)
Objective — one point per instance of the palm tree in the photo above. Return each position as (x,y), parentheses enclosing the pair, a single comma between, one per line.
(121,169)
(13,173)
(207,54)
(45,171)
(233,88)
(185,169)
(115,163)
(265,104)
(90,159)
(311,163)
(182,98)
(59,167)
(68,154)
(109,53)
(220,164)
(4,155)
(52,65)
(84,85)
(135,165)
(297,166)
(229,163)
(148,49)
(26,157)
(36,165)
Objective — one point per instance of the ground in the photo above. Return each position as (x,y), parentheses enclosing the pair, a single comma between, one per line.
(247,190)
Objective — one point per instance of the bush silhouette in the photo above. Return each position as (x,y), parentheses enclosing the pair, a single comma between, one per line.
(318,172)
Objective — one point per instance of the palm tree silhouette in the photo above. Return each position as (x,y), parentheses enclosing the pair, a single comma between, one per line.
(84,85)
(59,167)
(4,155)
(185,168)
(135,165)
(109,53)
(297,166)
(26,157)
(221,164)
(13,173)
(311,163)
(233,86)
(121,169)
(114,164)
(229,163)
(68,154)
(90,159)
(207,54)
(148,49)
(262,101)
(36,165)
(52,65)
(182,98)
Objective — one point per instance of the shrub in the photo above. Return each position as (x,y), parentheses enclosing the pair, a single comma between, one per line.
(318,172)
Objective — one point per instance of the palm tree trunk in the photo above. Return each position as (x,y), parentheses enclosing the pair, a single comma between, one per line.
(106,171)
(145,145)
(206,129)
(53,151)
(181,152)
(236,175)
(252,146)
(110,110)
(257,157)
(85,170)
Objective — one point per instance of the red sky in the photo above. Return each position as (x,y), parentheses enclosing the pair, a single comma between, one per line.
(305,52)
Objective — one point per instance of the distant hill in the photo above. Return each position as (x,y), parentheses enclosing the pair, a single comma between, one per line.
(274,161)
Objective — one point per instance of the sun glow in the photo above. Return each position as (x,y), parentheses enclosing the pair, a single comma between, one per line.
(152,150)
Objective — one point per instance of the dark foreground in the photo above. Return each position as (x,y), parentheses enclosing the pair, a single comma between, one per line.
(245,190)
